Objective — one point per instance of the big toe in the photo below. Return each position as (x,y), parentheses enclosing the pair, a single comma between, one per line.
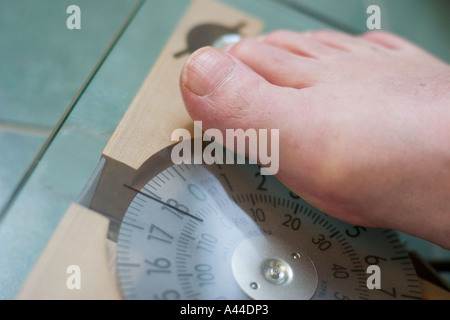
(223,92)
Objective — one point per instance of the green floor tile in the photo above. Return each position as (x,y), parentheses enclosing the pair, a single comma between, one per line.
(43,63)
(17,150)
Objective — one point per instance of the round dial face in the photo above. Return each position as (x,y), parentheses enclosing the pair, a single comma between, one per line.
(227,232)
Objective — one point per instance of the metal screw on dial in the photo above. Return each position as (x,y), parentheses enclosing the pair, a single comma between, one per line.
(266,268)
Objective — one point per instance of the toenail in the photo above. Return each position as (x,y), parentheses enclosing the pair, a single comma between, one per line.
(205,70)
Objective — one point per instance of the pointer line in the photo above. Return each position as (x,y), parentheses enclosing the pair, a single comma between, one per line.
(162,202)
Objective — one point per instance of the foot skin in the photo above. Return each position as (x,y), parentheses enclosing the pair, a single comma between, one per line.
(364,121)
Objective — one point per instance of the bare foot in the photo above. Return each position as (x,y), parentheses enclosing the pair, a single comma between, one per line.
(364,122)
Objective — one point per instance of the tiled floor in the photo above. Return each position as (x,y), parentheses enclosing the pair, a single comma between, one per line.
(43,65)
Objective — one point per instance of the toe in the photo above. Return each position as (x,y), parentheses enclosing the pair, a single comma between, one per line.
(389,40)
(224,93)
(340,40)
(276,65)
(300,43)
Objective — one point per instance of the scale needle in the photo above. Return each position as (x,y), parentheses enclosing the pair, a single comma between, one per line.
(162,202)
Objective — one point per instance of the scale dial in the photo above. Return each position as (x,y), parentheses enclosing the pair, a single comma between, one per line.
(226,232)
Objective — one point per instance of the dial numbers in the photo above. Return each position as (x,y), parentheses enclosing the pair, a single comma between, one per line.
(234,214)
